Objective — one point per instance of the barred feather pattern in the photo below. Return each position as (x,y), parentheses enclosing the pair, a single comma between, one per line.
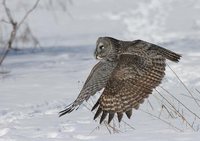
(131,82)
(95,82)
(144,48)
(129,71)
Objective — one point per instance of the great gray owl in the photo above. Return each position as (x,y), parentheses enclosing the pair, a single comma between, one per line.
(128,71)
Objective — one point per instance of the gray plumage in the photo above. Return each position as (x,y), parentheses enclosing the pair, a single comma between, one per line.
(128,70)
(96,81)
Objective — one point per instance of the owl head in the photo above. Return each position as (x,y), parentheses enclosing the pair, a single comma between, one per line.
(106,48)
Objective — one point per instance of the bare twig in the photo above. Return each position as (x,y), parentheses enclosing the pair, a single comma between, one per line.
(106,124)
(128,125)
(28,12)
(8,13)
(198,91)
(12,34)
(168,123)
(4,21)
(165,107)
(180,103)
(94,129)
(15,27)
(112,127)
(150,104)
(184,85)
(190,97)
(183,118)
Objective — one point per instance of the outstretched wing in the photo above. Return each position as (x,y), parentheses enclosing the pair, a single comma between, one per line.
(133,79)
(95,82)
(151,49)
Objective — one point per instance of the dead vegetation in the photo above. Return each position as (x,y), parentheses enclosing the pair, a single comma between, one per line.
(171,111)
(15,28)
(171,108)
(19,32)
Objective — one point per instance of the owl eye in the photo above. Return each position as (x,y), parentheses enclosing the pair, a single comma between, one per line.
(101,47)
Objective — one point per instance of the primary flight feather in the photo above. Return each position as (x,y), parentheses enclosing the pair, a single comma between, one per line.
(128,71)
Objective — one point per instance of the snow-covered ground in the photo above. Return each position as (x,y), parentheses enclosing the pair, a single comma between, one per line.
(42,81)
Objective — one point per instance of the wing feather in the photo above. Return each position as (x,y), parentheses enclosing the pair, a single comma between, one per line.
(138,45)
(132,80)
(96,81)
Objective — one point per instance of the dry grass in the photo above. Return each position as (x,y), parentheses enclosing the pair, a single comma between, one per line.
(173,111)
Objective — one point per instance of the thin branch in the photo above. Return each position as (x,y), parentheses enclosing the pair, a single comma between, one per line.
(128,125)
(183,85)
(184,119)
(12,34)
(4,21)
(190,97)
(94,130)
(165,107)
(180,102)
(105,123)
(197,91)
(15,27)
(8,13)
(162,120)
(150,104)
(28,12)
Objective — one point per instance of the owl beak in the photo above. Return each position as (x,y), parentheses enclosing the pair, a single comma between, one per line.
(96,56)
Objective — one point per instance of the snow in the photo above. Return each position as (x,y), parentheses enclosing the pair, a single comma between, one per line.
(42,81)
